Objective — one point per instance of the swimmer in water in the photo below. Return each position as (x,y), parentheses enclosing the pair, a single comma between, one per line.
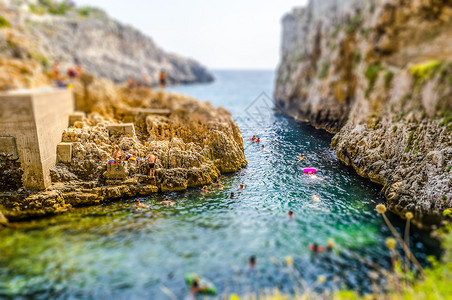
(204,189)
(315,248)
(252,263)
(253,139)
(167,202)
(241,186)
(139,205)
(290,215)
(262,147)
(219,185)
(301,158)
(258,140)
(316,198)
(231,196)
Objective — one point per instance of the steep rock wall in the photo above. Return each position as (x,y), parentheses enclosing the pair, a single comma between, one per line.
(379,74)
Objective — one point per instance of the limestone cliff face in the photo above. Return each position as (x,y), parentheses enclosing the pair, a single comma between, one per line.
(105,47)
(379,75)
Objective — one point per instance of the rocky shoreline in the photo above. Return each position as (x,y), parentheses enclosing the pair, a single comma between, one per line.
(194,143)
(378,75)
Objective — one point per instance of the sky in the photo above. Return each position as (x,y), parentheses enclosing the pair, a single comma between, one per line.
(226,34)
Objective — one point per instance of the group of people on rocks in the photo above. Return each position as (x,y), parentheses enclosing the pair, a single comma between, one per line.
(60,79)
(133,83)
(121,157)
(64,80)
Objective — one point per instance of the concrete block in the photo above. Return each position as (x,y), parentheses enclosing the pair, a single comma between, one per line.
(122,129)
(8,146)
(64,152)
(116,171)
(76,116)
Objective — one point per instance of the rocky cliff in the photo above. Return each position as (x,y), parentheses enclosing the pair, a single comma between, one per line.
(379,75)
(104,47)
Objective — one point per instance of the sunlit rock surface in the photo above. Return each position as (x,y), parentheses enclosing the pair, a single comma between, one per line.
(194,143)
(379,75)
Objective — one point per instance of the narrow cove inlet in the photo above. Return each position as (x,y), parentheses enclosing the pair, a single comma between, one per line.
(113,251)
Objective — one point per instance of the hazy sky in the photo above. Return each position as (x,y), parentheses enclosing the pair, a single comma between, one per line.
(226,34)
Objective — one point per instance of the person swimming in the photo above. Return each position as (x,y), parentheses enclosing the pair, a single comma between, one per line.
(316,198)
(219,185)
(204,189)
(262,147)
(290,215)
(231,196)
(167,202)
(139,205)
(194,290)
(241,186)
(315,248)
(253,139)
(252,263)
(301,158)
(258,140)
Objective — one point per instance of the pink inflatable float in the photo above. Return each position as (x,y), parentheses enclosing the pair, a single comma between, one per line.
(310,170)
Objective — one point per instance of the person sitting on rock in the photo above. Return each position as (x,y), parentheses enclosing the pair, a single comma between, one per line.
(167,202)
(139,205)
(151,159)
(204,189)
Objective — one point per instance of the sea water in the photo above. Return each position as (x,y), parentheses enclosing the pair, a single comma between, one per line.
(114,252)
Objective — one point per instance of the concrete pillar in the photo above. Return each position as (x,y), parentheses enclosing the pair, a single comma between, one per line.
(36,119)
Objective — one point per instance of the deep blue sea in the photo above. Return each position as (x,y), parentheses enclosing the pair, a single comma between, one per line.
(113,252)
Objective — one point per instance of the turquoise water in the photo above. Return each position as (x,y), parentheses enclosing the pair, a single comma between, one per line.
(113,252)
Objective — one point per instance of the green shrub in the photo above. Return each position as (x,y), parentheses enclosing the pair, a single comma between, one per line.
(371,73)
(388,78)
(353,24)
(3,22)
(444,197)
(323,72)
(86,11)
(336,31)
(424,71)
(448,168)
(394,128)
(447,115)
(409,141)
